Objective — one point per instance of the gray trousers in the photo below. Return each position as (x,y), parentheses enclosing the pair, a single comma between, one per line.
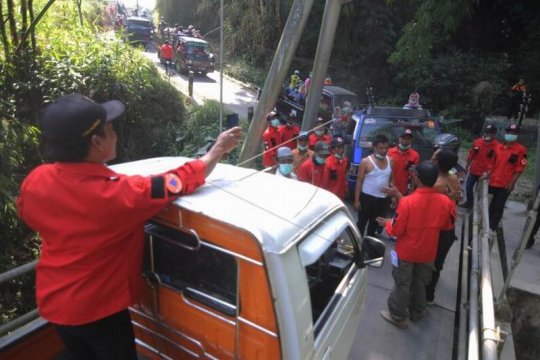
(408,297)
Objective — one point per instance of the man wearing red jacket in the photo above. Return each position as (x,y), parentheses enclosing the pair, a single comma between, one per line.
(337,169)
(313,170)
(417,223)
(481,160)
(91,223)
(511,160)
(288,132)
(271,140)
(318,134)
(404,156)
(167,55)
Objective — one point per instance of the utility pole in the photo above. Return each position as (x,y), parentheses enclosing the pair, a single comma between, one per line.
(288,43)
(327,34)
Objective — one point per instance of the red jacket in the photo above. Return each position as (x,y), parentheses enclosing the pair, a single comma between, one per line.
(511,159)
(403,160)
(417,223)
(271,140)
(313,139)
(313,173)
(91,222)
(166,52)
(482,156)
(337,175)
(287,133)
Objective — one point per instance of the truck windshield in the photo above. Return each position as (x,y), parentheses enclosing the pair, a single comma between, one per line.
(424,130)
(198,49)
(139,25)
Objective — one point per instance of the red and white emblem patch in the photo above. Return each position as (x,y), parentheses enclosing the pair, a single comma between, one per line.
(173,183)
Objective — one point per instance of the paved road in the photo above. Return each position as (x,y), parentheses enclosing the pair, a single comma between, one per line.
(237,97)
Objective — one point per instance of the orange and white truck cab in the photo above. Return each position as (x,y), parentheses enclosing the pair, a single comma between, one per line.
(250,266)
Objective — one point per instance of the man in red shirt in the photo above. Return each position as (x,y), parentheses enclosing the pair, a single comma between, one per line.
(510,162)
(418,220)
(337,169)
(313,170)
(318,134)
(481,160)
(91,222)
(288,133)
(167,55)
(404,156)
(271,140)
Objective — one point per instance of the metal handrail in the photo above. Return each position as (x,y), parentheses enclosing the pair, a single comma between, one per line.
(473,343)
(29,316)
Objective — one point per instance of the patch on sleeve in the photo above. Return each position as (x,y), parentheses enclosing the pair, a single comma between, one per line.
(173,184)
(158,187)
(524,160)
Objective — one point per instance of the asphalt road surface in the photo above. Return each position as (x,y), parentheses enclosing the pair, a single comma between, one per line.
(237,97)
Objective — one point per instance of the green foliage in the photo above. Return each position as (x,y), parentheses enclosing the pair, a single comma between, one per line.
(242,69)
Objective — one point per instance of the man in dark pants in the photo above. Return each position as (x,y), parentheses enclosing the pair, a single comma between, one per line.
(510,162)
(91,223)
(418,220)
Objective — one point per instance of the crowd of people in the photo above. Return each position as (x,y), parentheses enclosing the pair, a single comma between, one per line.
(397,193)
(298,89)
(173,32)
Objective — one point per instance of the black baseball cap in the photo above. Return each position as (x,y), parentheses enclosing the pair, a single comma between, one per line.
(406,132)
(337,141)
(427,173)
(490,128)
(74,117)
(322,148)
(513,128)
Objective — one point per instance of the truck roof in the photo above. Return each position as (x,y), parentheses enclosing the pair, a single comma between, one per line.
(276,210)
(336,90)
(193,39)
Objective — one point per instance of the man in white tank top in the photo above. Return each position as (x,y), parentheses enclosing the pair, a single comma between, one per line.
(374,173)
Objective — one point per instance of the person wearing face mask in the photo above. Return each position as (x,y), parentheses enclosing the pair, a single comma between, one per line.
(337,169)
(318,134)
(285,163)
(414,101)
(302,151)
(510,162)
(403,156)
(481,160)
(288,133)
(313,170)
(374,175)
(271,140)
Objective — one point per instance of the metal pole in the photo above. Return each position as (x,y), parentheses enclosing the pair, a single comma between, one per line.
(462,332)
(221,65)
(473,349)
(329,25)
(18,271)
(490,333)
(18,322)
(292,32)
(191,75)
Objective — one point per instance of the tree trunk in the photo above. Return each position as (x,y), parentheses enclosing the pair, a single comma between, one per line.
(12,23)
(4,35)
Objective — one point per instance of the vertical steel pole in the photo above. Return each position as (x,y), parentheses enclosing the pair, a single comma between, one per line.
(473,349)
(221,66)
(292,32)
(329,25)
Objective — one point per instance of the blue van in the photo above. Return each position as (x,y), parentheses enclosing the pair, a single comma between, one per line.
(390,121)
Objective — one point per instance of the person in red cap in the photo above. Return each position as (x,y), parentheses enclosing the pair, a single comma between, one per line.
(271,140)
(481,160)
(510,162)
(313,170)
(337,168)
(289,132)
(403,156)
(91,223)
(318,134)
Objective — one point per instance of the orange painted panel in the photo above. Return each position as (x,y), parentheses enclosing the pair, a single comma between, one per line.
(257,345)
(218,233)
(257,305)
(43,344)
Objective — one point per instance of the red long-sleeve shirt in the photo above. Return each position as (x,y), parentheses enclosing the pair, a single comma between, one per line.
(313,139)
(337,175)
(91,222)
(286,133)
(417,223)
(403,160)
(482,156)
(271,140)
(511,159)
(313,173)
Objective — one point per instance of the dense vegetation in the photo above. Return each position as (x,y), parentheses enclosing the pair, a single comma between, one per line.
(441,48)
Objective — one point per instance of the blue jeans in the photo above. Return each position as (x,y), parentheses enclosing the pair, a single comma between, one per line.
(469,187)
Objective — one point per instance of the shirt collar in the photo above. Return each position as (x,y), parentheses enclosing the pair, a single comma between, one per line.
(85,168)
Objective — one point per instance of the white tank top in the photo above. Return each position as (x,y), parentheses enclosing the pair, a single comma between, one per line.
(376,179)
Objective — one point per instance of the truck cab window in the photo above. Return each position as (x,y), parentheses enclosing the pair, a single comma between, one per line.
(328,255)
(200,272)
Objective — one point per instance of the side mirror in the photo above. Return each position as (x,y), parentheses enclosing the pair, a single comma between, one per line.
(371,253)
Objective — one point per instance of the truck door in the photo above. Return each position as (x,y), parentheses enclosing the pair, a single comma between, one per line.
(190,308)
(337,286)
